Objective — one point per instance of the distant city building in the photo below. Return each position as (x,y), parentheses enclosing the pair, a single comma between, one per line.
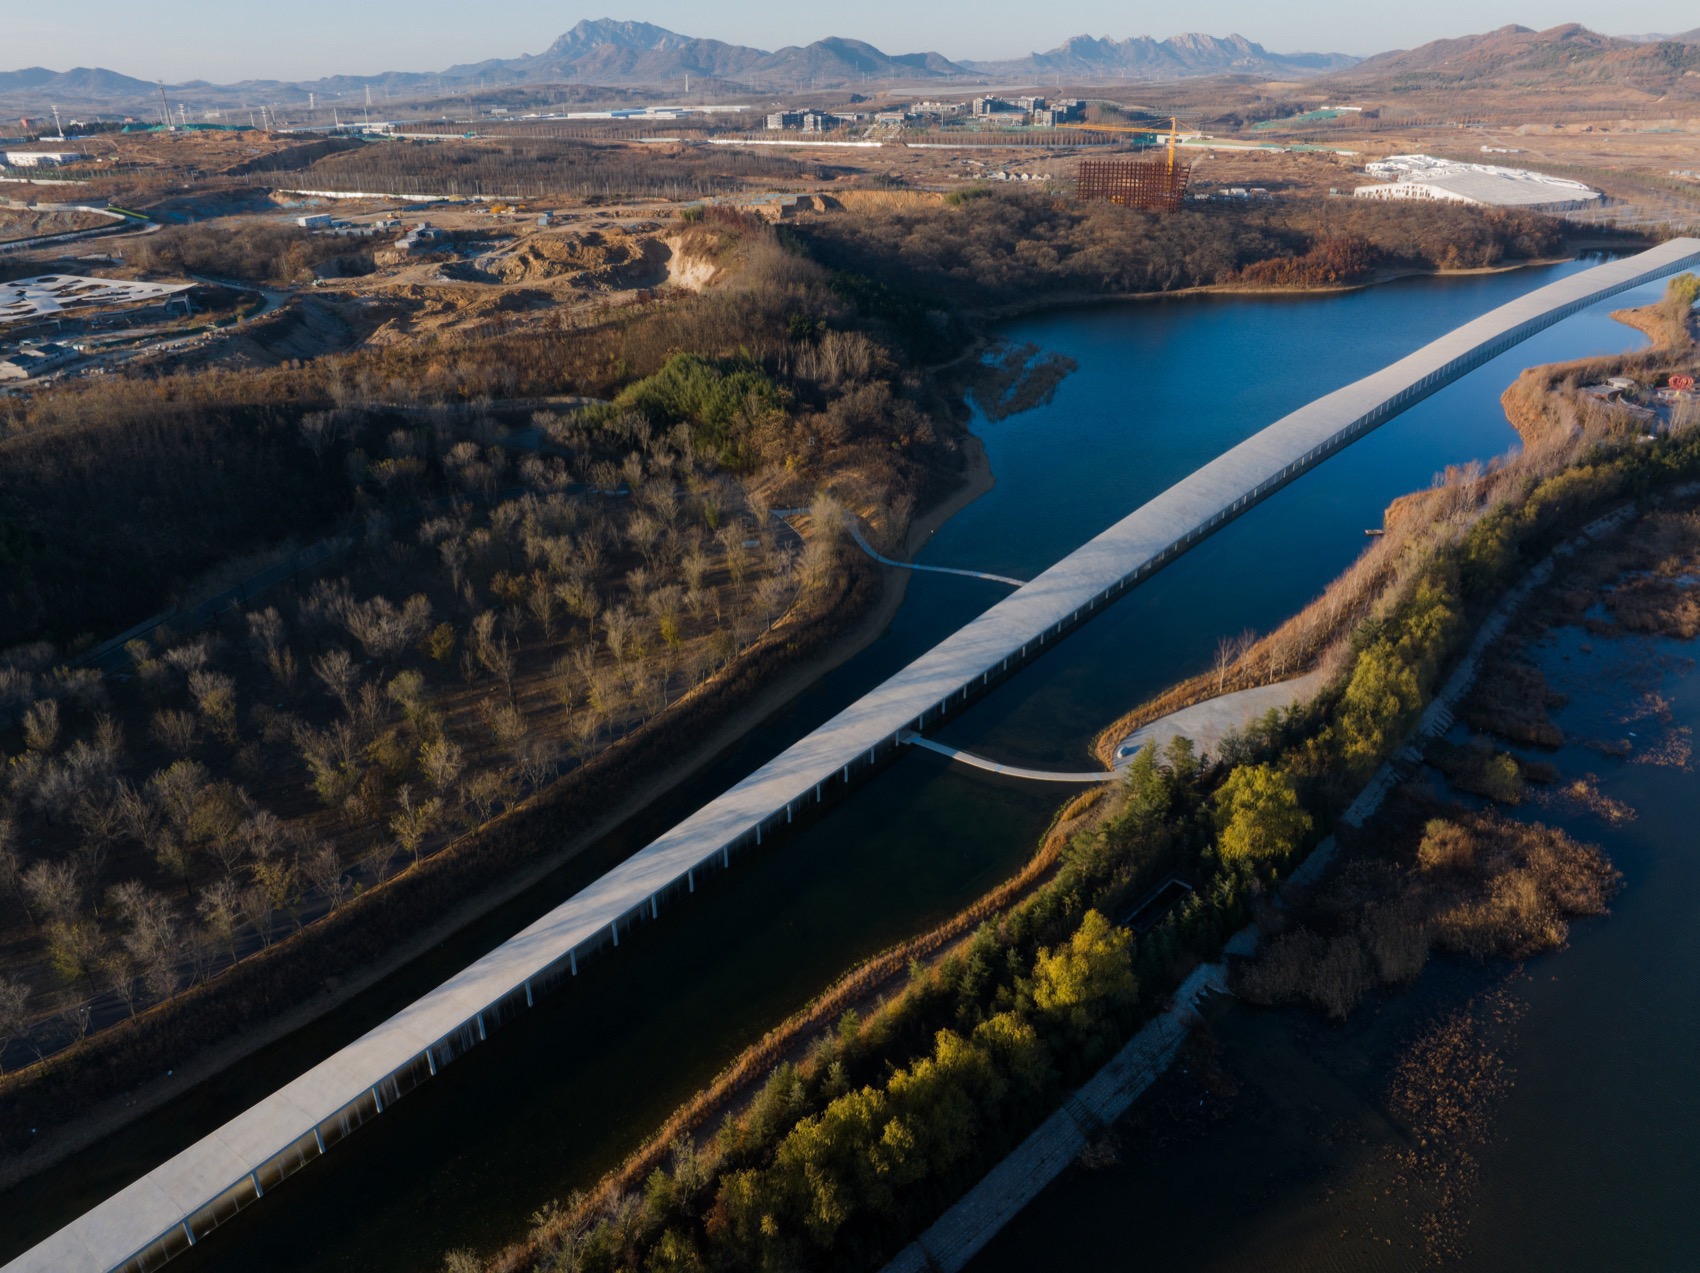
(805,121)
(1063,111)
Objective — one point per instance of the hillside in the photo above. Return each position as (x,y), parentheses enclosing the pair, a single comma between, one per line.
(1567,56)
(81,83)
(1088,59)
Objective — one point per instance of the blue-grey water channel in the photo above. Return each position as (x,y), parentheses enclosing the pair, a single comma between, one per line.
(1557,1130)
(559,1095)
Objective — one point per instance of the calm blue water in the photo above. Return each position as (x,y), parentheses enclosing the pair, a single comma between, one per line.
(1585,1158)
(565,1091)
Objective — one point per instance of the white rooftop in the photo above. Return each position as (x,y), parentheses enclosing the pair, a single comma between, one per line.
(46,295)
(1482,183)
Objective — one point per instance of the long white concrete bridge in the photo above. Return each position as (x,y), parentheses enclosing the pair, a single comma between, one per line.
(181,1201)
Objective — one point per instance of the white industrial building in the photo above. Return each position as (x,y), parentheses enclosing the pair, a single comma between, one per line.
(43,158)
(1426,177)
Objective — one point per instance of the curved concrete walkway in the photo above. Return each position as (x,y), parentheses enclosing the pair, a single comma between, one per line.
(856,534)
(1208,722)
(1009,771)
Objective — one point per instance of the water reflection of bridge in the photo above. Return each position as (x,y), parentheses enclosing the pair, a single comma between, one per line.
(182,1200)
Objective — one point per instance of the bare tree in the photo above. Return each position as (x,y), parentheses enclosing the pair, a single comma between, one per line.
(441,761)
(1228,652)
(55,888)
(323,870)
(413,820)
(151,937)
(173,730)
(116,974)
(14,1015)
(41,726)
(483,792)
(620,627)
(12,866)
(336,672)
(215,698)
(265,630)
(539,759)
(220,909)
(737,556)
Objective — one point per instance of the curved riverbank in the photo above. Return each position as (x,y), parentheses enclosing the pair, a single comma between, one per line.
(1033,306)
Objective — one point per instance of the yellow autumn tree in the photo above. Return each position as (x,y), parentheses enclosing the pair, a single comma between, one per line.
(1258,814)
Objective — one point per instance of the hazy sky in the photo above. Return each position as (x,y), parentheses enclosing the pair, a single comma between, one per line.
(225,40)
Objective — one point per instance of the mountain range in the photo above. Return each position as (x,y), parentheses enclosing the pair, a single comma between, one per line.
(1569,56)
(615,53)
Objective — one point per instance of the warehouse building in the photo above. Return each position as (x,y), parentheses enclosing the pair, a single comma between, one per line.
(1426,177)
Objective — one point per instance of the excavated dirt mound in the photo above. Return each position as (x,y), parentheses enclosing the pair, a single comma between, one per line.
(593,259)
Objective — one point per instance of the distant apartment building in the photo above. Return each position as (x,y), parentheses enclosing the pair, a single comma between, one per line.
(802,121)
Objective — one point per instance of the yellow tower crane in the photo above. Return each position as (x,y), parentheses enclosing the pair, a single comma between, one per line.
(1174,133)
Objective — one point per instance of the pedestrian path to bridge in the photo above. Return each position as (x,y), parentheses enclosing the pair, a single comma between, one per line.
(181,1201)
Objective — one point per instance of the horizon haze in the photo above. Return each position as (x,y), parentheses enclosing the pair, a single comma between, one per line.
(179,41)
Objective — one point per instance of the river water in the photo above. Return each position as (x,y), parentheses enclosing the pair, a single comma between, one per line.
(561,1094)
(1572,1076)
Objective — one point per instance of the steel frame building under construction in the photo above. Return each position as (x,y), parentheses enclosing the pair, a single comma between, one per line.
(1150,186)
